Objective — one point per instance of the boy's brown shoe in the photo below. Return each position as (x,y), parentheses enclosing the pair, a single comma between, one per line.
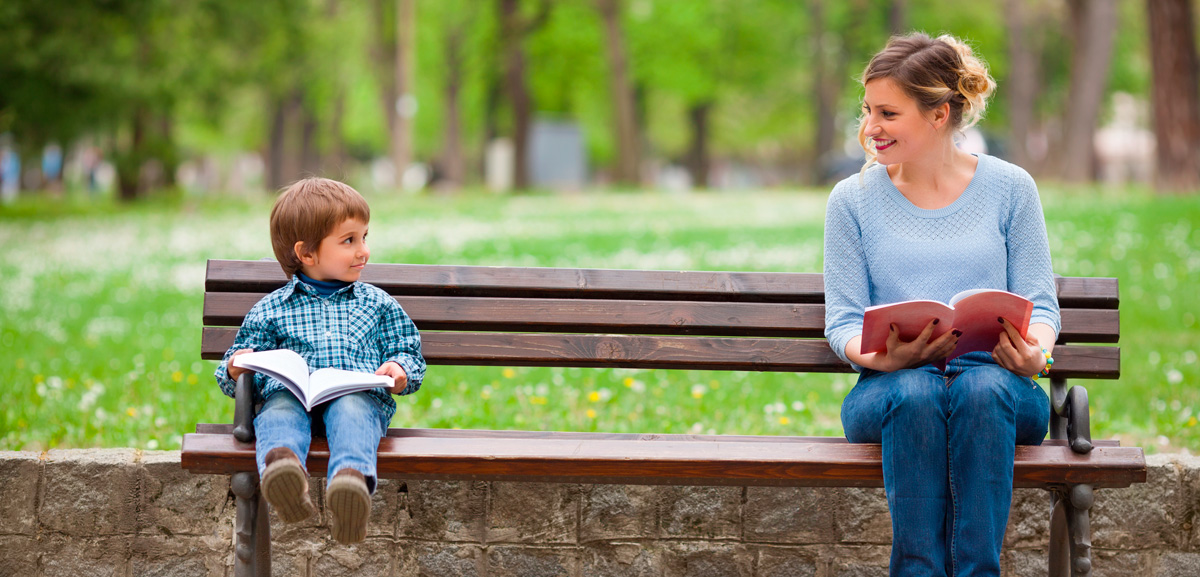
(285,485)
(349,504)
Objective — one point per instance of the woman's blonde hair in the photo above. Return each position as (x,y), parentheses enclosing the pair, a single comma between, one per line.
(932,72)
(307,212)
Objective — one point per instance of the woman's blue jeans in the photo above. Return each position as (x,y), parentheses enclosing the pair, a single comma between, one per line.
(353,424)
(948,439)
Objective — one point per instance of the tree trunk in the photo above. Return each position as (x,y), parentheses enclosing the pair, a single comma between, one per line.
(1174,94)
(453,163)
(698,162)
(130,169)
(168,154)
(898,17)
(824,94)
(405,107)
(625,125)
(333,158)
(310,158)
(518,92)
(1022,82)
(275,145)
(383,55)
(1093,24)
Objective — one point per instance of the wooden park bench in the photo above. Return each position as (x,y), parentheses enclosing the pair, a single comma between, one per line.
(743,321)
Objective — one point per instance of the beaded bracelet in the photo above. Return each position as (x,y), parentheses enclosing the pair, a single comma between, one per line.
(1049,361)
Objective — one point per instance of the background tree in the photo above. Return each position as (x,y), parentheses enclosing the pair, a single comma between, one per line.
(515,26)
(625,127)
(1092,24)
(1174,94)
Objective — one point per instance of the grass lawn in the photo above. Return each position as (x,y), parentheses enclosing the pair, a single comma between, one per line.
(100,311)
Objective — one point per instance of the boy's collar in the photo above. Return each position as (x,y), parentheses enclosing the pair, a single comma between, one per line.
(296,283)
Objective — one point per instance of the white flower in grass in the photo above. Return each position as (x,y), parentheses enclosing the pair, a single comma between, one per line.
(698,391)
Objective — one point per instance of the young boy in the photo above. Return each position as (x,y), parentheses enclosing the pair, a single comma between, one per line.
(319,235)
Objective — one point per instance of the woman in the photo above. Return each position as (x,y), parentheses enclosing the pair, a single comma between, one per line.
(925,220)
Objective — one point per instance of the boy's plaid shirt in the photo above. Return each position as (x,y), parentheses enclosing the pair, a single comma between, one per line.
(358,328)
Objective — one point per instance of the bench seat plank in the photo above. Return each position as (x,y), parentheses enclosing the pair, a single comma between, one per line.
(597,458)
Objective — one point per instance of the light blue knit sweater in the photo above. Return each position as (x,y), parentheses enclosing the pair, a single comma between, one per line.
(880,248)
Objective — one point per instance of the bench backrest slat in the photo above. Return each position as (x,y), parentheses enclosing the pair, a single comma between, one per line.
(634,317)
(665,352)
(431,280)
(518,316)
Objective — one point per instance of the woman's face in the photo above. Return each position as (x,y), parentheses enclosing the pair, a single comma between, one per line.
(894,125)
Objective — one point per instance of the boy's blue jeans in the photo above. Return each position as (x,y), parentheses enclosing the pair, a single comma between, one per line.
(948,441)
(353,424)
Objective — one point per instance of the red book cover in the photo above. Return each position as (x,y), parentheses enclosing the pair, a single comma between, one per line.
(974,312)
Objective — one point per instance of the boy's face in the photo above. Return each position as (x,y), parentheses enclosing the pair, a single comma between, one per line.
(341,256)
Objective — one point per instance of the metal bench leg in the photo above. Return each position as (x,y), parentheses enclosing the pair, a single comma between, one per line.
(1079,523)
(1070,508)
(1071,531)
(1060,536)
(252,529)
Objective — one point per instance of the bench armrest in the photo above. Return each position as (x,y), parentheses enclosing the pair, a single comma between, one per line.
(243,409)
(1069,411)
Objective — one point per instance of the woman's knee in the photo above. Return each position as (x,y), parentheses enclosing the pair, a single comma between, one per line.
(914,396)
(987,388)
(916,390)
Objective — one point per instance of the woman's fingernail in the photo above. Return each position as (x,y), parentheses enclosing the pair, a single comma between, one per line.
(935,321)
(1000,320)
(957,333)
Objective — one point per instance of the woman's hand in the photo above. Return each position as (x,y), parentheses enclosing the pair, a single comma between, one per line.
(919,351)
(396,372)
(1022,356)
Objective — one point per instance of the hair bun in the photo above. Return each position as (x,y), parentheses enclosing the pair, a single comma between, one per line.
(974,82)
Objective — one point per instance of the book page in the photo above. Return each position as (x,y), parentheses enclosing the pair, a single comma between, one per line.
(910,318)
(976,316)
(325,384)
(286,366)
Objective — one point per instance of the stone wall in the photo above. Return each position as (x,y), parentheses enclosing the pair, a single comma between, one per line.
(131,513)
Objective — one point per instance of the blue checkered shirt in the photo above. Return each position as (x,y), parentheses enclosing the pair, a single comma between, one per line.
(358,328)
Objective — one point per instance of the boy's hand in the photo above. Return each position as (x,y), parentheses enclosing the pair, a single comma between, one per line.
(395,371)
(235,372)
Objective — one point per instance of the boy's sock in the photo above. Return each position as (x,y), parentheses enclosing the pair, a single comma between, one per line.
(285,485)
(349,504)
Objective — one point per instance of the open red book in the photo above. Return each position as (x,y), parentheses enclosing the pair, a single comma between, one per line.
(974,312)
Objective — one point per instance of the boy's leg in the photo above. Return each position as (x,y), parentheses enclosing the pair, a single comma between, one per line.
(283,433)
(353,425)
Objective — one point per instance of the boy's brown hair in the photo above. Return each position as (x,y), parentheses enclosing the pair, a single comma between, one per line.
(308,211)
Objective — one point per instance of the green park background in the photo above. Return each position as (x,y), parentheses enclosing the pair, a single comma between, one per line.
(712,131)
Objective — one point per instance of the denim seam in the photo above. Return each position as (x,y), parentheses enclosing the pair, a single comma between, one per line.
(953,487)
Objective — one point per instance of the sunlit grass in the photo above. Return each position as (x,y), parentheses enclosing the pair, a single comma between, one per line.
(100,311)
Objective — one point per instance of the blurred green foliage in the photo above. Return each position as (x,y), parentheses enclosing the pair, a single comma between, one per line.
(100,311)
(171,80)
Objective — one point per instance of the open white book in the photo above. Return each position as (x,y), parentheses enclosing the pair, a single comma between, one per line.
(974,312)
(289,368)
